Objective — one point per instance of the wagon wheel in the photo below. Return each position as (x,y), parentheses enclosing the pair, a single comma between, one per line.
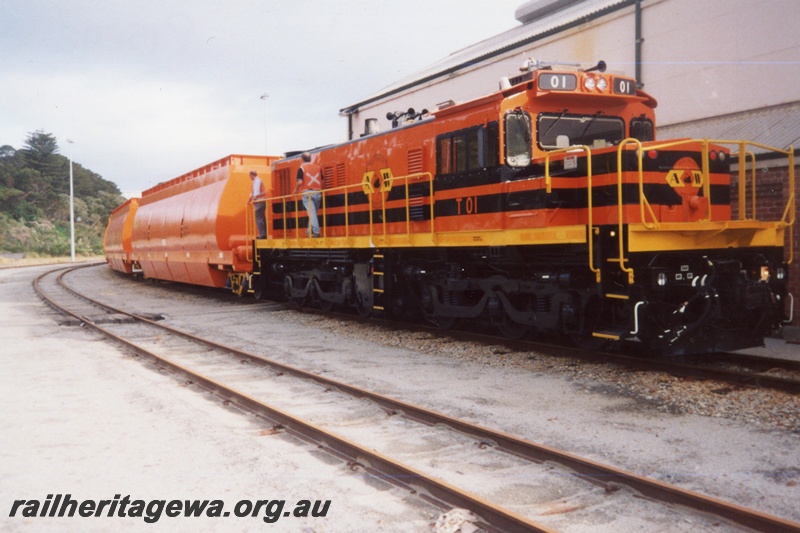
(241,290)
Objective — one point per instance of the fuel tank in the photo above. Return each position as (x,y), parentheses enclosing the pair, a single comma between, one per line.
(117,238)
(199,227)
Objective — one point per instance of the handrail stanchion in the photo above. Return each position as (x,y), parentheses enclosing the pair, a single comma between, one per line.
(325,222)
(753,177)
(706,170)
(743,181)
(590,209)
(790,210)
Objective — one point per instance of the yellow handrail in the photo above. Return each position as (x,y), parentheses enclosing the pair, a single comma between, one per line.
(743,155)
(788,217)
(250,229)
(642,203)
(369,190)
(791,210)
(590,210)
(706,170)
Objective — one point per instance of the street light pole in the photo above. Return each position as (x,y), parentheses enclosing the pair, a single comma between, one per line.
(264,97)
(71,209)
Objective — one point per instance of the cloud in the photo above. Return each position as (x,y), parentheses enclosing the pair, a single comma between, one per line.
(151,89)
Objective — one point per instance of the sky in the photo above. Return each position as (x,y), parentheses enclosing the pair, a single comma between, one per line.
(147,90)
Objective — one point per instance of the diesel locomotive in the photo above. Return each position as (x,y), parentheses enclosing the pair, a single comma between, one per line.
(545,208)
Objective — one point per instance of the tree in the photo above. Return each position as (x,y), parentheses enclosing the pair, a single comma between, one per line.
(34,200)
(40,152)
(7,151)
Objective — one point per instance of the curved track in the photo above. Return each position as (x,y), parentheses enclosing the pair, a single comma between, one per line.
(218,368)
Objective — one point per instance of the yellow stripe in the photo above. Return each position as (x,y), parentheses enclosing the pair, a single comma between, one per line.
(575,234)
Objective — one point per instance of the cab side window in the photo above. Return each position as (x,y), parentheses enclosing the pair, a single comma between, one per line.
(642,129)
(518,138)
(467,150)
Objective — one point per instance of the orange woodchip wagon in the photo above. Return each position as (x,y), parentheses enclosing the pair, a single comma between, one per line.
(117,238)
(198,228)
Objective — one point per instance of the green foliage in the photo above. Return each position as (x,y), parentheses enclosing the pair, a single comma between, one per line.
(34,201)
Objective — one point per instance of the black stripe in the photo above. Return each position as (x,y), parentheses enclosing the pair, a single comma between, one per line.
(563,198)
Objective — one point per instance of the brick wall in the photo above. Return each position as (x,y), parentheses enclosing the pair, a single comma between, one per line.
(772,192)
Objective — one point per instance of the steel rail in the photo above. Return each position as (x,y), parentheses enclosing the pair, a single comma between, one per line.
(591,471)
(682,369)
(439,492)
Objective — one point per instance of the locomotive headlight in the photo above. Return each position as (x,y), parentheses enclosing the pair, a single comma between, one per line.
(661,279)
(588,83)
(602,84)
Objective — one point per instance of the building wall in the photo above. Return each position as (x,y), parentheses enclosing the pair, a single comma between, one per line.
(699,59)
(715,57)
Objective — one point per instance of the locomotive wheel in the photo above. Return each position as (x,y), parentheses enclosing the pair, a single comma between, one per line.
(325,305)
(362,307)
(441,322)
(429,312)
(258,293)
(287,287)
(260,287)
(510,329)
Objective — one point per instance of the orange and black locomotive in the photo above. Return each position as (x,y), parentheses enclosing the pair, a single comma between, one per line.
(547,207)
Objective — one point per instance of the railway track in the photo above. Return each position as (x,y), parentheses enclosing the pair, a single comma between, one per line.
(739,370)
(447,461)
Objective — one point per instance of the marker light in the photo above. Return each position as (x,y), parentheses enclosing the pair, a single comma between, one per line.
(661,279)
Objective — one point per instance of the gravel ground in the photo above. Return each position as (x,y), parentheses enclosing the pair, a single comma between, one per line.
(765,409)
(738,445)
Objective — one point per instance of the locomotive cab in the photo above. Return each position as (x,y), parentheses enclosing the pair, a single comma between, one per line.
(670,266)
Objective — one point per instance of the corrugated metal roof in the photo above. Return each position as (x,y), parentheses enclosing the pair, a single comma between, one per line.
(777,126)
(510,40)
